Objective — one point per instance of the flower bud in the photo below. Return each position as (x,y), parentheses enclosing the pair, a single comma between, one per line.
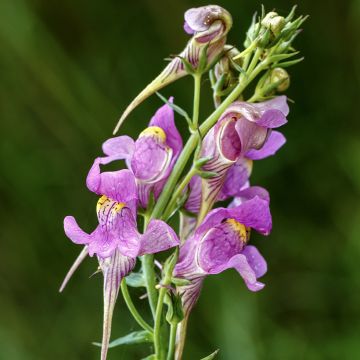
(274,22)
(281,76)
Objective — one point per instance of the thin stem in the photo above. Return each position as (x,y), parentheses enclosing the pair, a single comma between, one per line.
(139,319)
(150,280)
(157,327)
(172,340)
(196,106)
(147,262)
(178,192)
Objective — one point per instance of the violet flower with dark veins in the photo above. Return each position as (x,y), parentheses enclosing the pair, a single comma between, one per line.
(116,241)
(243,131)
(208,26)
(220,243)
(152,156)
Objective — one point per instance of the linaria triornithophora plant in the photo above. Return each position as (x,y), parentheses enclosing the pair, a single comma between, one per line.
(219,151)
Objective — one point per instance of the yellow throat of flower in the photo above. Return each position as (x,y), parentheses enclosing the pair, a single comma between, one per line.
(156,131)
(240,229)
(105,202)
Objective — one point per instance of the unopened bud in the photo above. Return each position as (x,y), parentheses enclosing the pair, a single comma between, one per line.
(281,76)
(273,22)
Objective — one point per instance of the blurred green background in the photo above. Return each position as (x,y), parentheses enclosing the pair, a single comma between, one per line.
(68,69)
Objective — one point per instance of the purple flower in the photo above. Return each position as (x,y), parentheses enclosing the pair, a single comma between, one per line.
(152,156)
(116,241)
(220,243)
(208,26)
(244,132)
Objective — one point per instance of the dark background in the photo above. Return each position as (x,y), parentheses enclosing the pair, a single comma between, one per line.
(68,69)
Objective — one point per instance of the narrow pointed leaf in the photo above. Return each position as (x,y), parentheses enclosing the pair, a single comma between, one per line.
(136,337)
(211,356)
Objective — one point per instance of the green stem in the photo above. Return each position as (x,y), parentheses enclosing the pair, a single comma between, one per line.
(157,327)
(178,192)
(147,262)
(172,340)
(150,280)
(132,308)
(196,106)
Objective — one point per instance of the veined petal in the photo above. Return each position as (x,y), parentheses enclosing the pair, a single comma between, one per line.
(151,159)
(194,200)
(255,260)
(114,268)
(74,232)
(254,213)
(159,236)
(164,119)
(252,136)
(249,193)
(222,145)
(220,244)
(118,148)
(117,185)
(240,263)
(278,103)
(236,179)
(203,22)
(274,142)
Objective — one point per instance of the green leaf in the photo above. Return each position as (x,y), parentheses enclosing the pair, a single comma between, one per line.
(202,161)
(175,311)
(289,63)
(136,337)
(211,356)
(176,108)
(180,282)
(203,59)
(207,174)
(150,357)
(135,280)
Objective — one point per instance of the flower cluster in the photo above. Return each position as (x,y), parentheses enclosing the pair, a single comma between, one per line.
(154,188)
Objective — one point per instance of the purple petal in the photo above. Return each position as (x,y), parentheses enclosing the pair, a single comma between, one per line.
(249,193)
(164,118)
(159,236)
(74,233)
(236,178)
(274,142)
(193,202)
(255,260)
(272,119)
(277,103)
(240,263)
(254,213)
(220,244)
(252,136)
(114,269)
(188,29)
(84,253)
(151,159)
(117,185)
(117,148)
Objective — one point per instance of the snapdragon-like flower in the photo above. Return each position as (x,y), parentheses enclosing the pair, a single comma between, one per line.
(243,131)
(208,26)
(152,156)
(220,243)
(116,241)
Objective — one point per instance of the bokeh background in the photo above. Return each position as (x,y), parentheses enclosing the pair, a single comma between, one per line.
(68,69)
